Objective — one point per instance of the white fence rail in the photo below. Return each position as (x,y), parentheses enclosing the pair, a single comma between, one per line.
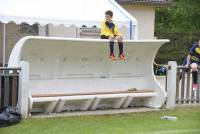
(184,92)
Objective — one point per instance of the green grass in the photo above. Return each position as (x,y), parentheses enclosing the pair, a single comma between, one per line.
(135,123)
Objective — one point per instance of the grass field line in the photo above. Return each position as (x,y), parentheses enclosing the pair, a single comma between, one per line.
(173,131)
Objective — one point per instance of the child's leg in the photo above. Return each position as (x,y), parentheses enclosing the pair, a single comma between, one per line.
(120,44)
(112,38)
(194,76)
(194,72)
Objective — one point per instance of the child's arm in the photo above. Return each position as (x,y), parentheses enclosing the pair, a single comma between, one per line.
(188,60)
(116,31)
(189,55)
(103,29)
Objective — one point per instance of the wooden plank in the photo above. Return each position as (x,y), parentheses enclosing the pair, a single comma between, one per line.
(192,97)
(6,90)
(166,83)
(90,93)
(2,91)
(178,79)
(190,89)
(17,88)
(198,98)
(14,91)
(182,87)
(198,92)
(195,97)
(10,91)
(187,87)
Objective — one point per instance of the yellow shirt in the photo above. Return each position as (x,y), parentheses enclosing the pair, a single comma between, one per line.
(105,30)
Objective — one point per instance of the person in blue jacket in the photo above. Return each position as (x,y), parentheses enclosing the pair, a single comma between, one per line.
(192,61)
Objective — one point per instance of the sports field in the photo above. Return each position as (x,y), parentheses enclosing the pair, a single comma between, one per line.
(135,123)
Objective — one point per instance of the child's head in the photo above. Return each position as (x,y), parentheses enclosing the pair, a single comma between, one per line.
(108,15)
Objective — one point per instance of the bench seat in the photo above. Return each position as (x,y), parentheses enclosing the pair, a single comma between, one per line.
(87,101)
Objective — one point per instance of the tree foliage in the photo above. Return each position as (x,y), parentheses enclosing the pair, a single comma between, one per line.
(182,16)
(180,23)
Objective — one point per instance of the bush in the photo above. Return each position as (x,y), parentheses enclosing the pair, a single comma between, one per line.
(178,47)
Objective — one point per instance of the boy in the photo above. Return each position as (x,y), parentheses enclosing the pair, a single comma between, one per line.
(192,61)
(109,31)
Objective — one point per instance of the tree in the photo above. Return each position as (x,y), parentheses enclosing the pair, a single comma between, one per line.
(183,16)
(180,23)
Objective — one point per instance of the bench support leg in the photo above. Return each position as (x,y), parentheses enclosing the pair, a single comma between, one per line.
(127,102)
(60,106)
(95,103)
(87,104)
(50,106)
(119,102)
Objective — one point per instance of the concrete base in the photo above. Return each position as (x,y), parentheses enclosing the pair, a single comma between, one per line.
(97,112)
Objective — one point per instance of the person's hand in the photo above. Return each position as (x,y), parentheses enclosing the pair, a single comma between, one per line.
(186,66)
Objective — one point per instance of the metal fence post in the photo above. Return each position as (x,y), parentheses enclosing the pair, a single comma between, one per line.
(171,84)
(23,91)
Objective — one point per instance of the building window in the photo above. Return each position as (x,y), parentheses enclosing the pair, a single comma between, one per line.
(28,29)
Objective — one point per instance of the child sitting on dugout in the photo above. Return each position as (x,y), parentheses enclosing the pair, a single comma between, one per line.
(110,31)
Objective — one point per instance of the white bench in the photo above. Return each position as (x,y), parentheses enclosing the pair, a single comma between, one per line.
(88,101)
(76,66)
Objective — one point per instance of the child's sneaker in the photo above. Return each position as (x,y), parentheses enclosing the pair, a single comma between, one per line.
(112,57)
(122,57)
(194,87)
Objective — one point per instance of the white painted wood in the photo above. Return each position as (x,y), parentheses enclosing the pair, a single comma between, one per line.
(185,89)
(195,97)
(179,96)
(190,89)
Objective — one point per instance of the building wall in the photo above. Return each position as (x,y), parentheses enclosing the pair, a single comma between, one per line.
(13,34)
(62,31)
(145,16)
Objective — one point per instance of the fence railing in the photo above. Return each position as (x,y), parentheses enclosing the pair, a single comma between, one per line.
(184,92)
(9,86)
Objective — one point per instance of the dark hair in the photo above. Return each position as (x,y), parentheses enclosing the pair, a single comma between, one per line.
(109,12)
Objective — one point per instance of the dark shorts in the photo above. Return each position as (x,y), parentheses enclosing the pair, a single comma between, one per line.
(106,37)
